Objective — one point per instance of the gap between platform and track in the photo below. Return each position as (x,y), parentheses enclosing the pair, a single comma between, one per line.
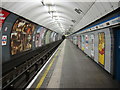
(42,79)
(46,72)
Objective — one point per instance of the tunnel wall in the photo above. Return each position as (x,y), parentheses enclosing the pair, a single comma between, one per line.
(87,46)
(97,40)
(20,35)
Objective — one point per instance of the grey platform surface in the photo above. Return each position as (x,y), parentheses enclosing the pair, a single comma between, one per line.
(73,69)
(79,71)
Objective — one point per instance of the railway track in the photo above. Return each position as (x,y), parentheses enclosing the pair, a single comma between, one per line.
(20,76)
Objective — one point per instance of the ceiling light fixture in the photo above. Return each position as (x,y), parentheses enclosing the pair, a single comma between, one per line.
(51,9)
(73,21)
(43,3)
(79,11)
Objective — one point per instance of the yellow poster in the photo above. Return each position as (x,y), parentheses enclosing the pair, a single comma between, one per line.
(83,42)
(101,48)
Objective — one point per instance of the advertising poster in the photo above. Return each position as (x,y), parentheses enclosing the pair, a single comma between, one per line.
(37,36)
(83,42)
(48,37)
(21,36)
(101,48)
(4,40)
(92,45)
(75,40)
(38,40)
(3,16)
(78,41)
(52,36)
(86,41)
(42,34)
(56,37)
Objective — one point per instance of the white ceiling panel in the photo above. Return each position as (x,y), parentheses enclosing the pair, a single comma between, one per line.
(107,6)
(114,4)
(60,15)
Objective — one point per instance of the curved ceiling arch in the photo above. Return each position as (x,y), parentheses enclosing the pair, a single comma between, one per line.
(66,11)
(68,14)
(58,21)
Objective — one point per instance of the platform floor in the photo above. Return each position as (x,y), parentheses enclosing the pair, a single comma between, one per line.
(71,68)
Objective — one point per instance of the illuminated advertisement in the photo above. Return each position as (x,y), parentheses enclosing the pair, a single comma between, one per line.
(42,33)
(101,48)
(21,36)
(39,36)
(86,41)
(83,42)
(75,40)
(92,45)
(79,41)
(52,36)
(3,15)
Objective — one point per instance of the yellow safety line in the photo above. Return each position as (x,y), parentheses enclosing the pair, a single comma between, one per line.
(46,72)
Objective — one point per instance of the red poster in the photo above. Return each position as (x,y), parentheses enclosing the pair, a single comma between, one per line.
(3,15)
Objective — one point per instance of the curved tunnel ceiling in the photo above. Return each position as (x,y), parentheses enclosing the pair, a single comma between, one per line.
(58,16)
